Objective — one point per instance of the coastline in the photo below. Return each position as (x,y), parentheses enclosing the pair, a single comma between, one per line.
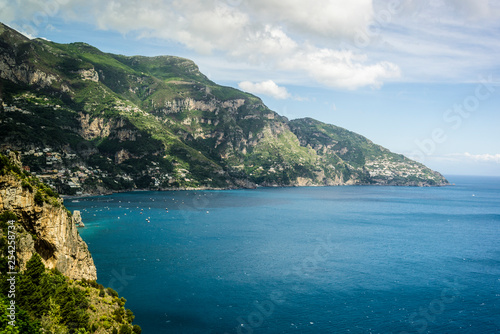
(111,192)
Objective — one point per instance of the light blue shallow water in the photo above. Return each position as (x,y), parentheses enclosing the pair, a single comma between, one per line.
(303,260)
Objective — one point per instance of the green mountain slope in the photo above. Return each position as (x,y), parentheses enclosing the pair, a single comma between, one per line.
(358,159)
(95,122)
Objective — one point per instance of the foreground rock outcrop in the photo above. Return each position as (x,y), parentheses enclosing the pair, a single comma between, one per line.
(45,227)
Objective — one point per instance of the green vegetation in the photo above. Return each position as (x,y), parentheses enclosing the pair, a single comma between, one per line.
(43,192)
(47,301)
(280,160)
(7,166)
(165,68)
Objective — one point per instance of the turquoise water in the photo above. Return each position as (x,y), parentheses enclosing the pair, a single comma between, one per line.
(303,260)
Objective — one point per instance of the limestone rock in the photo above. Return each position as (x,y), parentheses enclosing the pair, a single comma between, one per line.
(77,219)
(90,74)
(47,230)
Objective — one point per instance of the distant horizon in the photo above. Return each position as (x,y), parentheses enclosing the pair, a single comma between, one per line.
(468,175)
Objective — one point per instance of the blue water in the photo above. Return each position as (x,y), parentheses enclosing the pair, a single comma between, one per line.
(303,260)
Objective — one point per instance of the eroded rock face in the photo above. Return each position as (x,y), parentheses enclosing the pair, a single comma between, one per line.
(23,73)
(92,128)
(77,218)
(46,230)
(90,74)
(213,105)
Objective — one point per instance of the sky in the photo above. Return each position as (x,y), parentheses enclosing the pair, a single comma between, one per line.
(419,77)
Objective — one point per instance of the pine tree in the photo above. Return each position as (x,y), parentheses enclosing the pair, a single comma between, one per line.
(35,269)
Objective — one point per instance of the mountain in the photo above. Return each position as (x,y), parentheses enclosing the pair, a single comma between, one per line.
(94,122)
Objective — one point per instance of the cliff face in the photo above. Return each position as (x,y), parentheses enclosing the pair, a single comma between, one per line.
(45,229)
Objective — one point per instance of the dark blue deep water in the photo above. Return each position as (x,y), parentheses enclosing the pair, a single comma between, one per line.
(303,260)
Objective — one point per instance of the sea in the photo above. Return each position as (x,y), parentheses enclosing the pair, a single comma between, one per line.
(348,259)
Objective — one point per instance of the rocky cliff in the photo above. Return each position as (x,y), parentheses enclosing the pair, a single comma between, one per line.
(43,225)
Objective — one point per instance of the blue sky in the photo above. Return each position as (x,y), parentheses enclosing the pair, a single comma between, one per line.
(421,78)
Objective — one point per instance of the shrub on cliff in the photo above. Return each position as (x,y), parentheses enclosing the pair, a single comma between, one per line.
(48,294)
(38,198)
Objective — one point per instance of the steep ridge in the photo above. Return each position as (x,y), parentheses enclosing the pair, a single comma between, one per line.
(92,122)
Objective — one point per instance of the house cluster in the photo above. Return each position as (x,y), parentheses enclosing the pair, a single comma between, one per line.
(56,168)
(388,168)
(12,108)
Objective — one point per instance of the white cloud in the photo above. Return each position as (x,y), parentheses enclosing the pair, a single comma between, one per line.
(443,9)
(415,40)
(465,163)
(489,158)
(269,88)
(438,40)
(328,18)
(340,69)
(263,46)
(280,35)
(474,9)
(202,26)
